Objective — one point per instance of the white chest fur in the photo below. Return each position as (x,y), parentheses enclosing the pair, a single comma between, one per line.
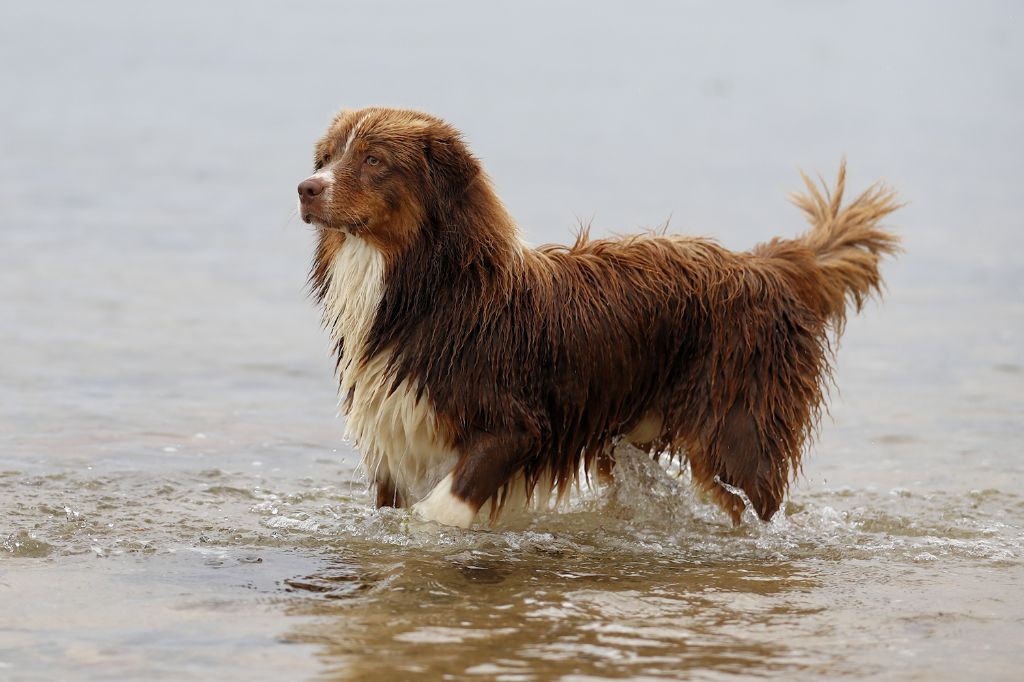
(397,435)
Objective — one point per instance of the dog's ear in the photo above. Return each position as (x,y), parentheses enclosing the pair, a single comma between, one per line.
(451,170)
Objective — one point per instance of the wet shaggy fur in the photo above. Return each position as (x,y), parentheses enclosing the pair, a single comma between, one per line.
(471,364)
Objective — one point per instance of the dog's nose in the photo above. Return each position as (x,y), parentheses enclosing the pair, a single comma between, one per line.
(311,187)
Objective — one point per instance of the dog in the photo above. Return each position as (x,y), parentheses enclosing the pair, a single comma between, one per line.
(471,366)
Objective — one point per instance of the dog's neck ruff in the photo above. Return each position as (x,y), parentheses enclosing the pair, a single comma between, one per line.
(351,302)
(397,434)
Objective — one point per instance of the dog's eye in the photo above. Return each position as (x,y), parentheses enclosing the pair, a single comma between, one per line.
(372,160)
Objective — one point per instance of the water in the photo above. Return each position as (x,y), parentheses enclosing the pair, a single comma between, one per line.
(175,498)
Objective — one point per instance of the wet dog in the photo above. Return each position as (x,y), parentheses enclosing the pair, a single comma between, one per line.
(471,366)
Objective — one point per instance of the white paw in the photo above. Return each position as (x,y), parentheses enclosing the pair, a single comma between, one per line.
(441,506)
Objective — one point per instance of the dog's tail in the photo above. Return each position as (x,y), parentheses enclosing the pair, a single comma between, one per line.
(845,242)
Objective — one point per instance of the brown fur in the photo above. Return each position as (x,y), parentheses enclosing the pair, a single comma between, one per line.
(536,360)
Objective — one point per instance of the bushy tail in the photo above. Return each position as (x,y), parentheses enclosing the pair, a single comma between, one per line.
(847,242)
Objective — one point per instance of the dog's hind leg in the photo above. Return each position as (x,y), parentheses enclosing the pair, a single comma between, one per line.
(605,461)
(478,476)
(736,454)
(642,436)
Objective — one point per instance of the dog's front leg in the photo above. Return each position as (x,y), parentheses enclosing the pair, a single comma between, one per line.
(388,494)
(476,478)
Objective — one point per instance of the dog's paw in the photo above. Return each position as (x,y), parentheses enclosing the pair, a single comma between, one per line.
(444,507)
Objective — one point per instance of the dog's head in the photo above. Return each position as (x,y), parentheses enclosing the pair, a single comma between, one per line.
(384,174)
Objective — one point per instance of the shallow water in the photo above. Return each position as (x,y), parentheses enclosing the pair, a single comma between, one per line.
(267,573)
(175,498)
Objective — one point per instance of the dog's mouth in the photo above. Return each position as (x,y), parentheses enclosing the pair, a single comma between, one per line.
(311,217)
(350,226)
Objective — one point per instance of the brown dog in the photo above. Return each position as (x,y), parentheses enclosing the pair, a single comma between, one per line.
(471,365)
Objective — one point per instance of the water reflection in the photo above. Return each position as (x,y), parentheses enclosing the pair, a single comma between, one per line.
(591,613)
